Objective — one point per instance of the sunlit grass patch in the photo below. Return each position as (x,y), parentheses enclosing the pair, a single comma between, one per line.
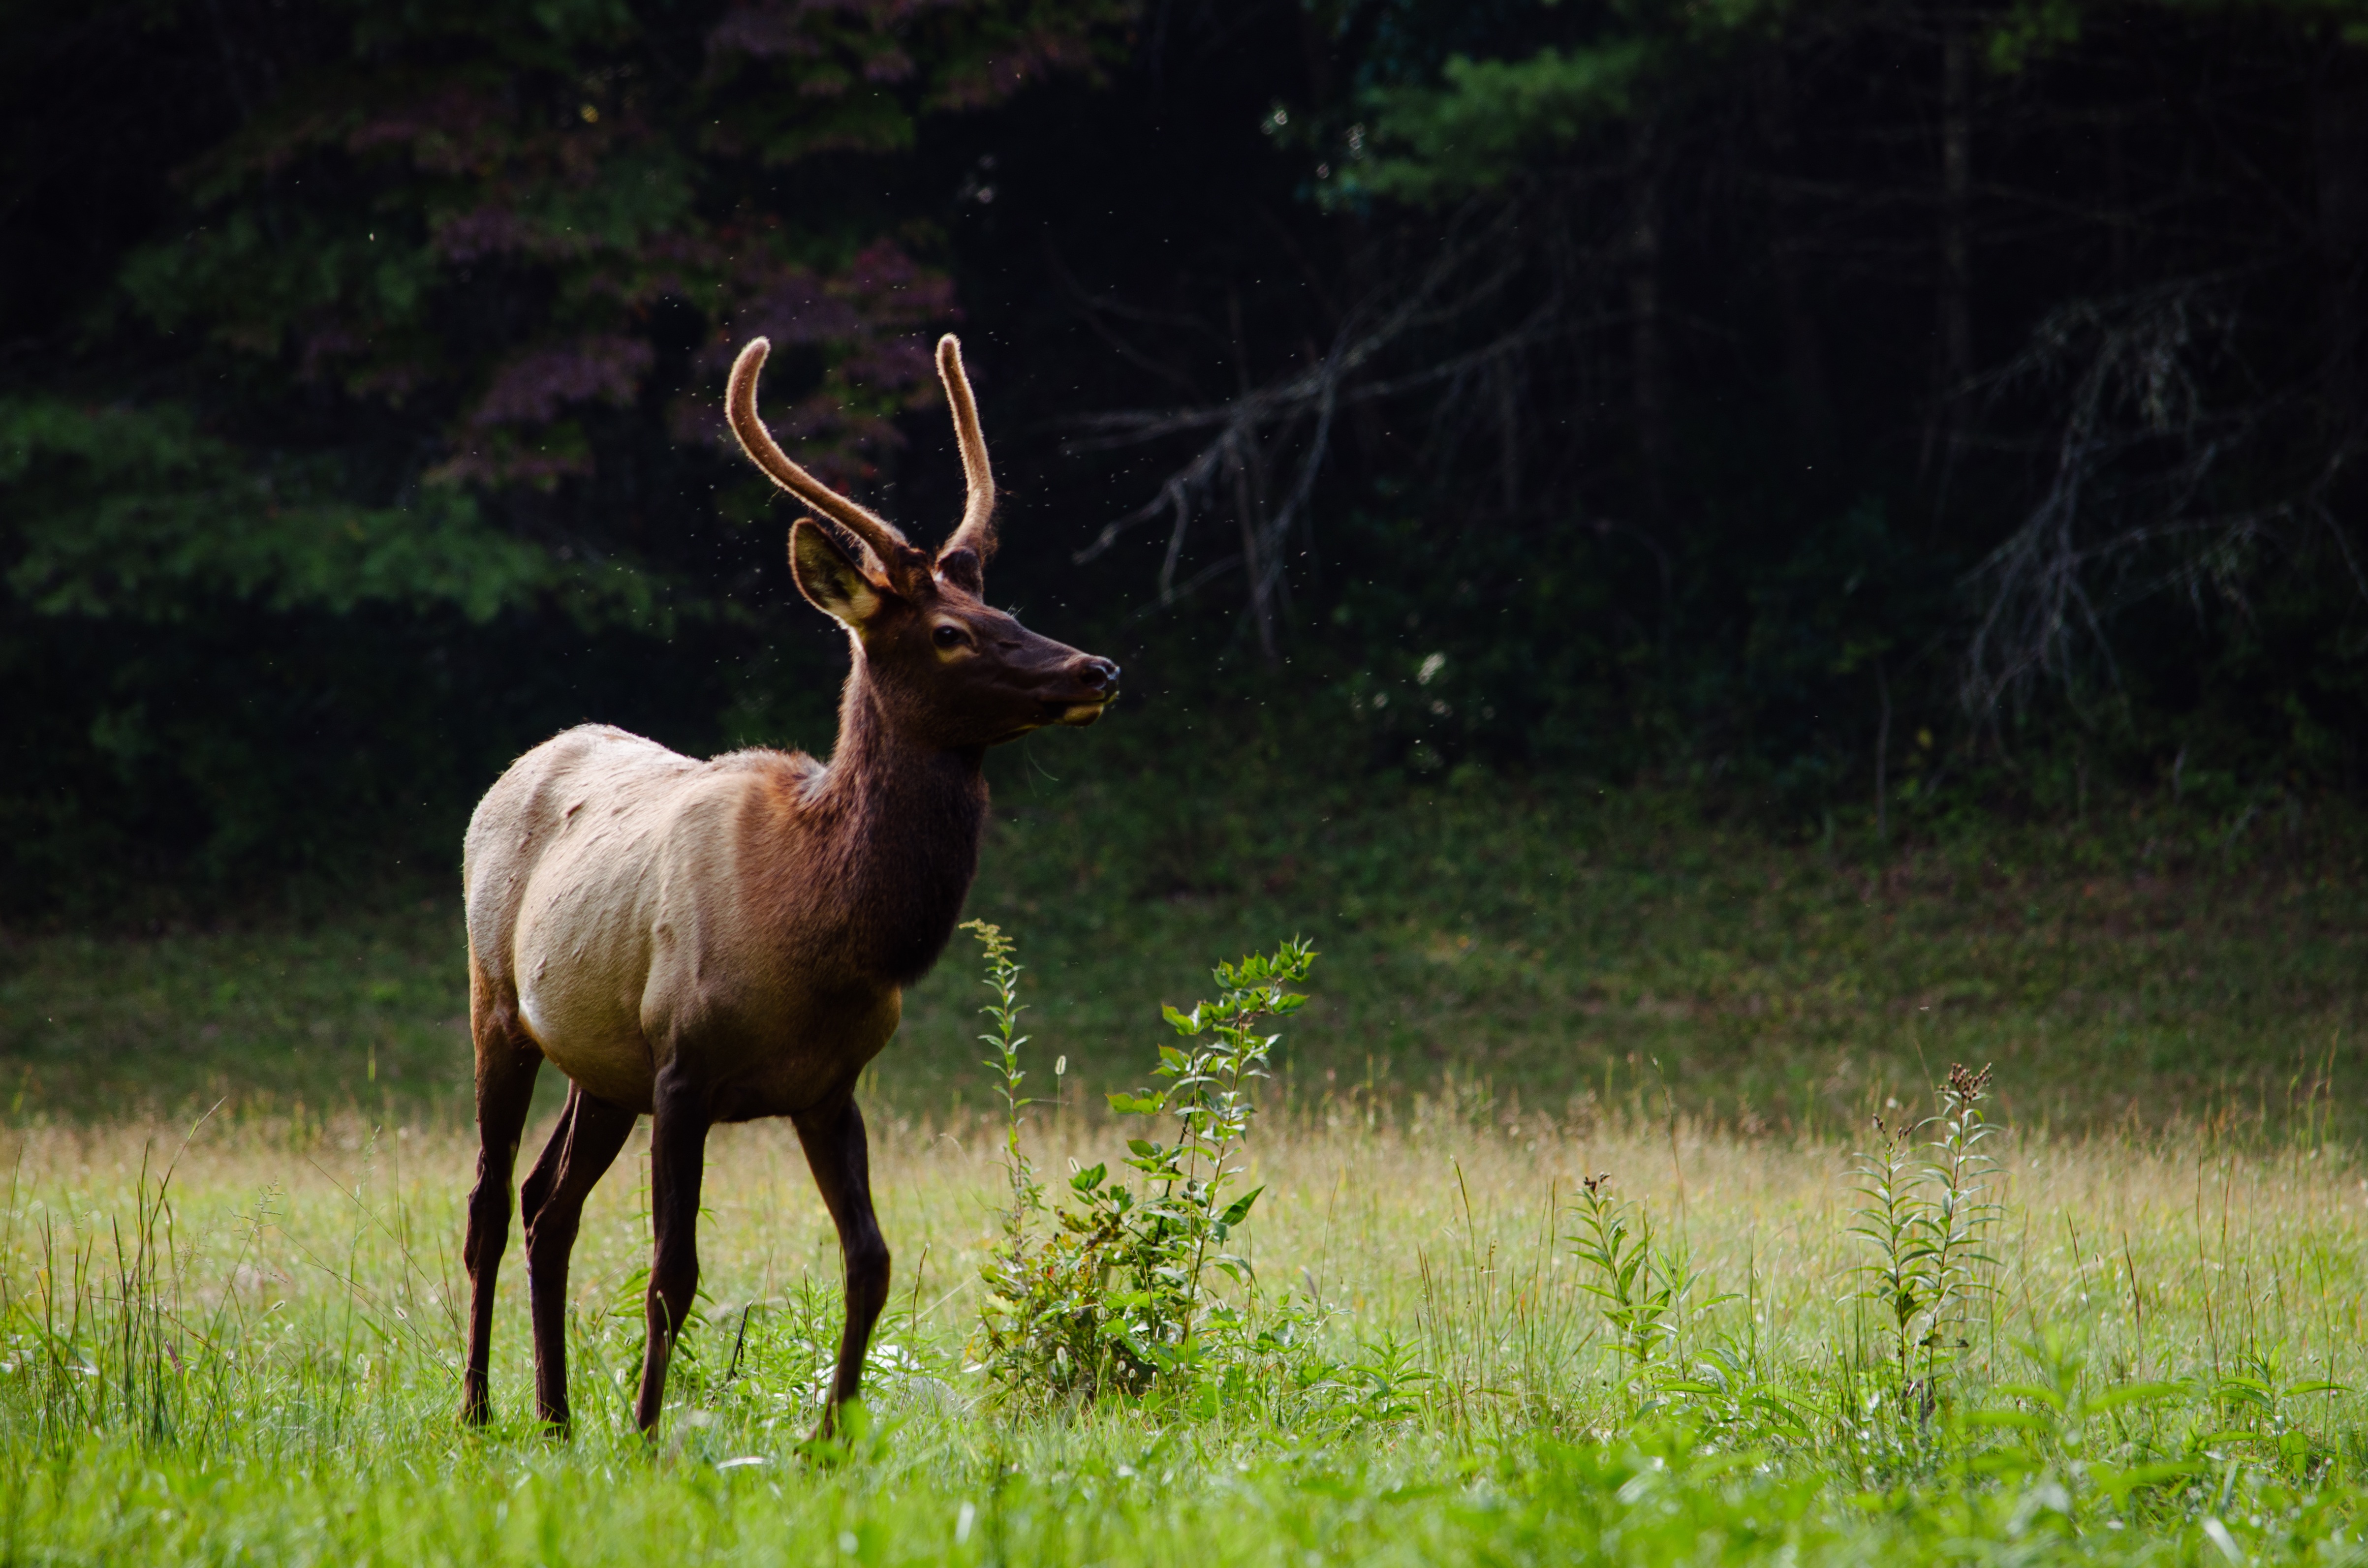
(260,1355)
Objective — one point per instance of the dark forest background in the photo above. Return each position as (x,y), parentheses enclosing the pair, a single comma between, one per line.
(1884,409)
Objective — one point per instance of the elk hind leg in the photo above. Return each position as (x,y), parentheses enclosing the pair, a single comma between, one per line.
(678,1127)
(585,1144)
(840,1156)
(507,1061)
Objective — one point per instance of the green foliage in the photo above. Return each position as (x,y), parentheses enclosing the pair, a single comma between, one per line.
(1117,1299)
(368,366)
(1491,122)
(1926,1216)
(554,166)
(1644,1288)
(2066,1463)
(141,515)
(1027,1193)
(398,386)
(1480,125)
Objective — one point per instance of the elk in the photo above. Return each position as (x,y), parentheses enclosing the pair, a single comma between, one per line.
(705,942)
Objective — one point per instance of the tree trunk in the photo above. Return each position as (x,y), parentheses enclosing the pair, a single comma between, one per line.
(1648,348)
(1248,466)
(2339,132)
(1251,512)
(1954,364)
(1882,755)
(1804,360)
(1508,431)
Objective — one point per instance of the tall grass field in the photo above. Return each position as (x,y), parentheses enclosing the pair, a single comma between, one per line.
(243,1344)
(1616,1202)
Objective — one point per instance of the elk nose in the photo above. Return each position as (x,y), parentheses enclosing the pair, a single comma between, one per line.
(1099,674)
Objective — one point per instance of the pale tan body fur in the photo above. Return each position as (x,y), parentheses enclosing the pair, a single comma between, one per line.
(607,894)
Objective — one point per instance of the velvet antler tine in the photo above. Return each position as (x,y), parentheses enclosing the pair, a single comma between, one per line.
(885,540)
(976,533)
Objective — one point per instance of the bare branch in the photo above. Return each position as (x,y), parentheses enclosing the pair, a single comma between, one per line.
(2126,512)
(1241,435)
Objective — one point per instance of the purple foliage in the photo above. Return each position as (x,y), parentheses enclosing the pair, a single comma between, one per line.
(530,389)
(1035,58)
(774,29)
(482,231)
(797,309)
(509,465)
(763,32)
(322,345)
(895,362)
(449,130)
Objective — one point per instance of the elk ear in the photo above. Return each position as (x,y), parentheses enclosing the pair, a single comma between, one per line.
(961,567)
(830,579)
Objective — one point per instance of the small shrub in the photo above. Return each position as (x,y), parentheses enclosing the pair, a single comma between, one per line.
(1924,1217)
(1644,1289)
(1118,1296)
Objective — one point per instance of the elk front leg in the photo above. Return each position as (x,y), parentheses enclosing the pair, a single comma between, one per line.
(677,1154)
(582,1148)
(507,1063)
(840,1157)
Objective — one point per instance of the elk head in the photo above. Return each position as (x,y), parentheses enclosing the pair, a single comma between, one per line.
(945,666)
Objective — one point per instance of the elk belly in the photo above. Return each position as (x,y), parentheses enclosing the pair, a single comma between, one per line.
(587,1029)
(618,960)
(582,962)
(583,949)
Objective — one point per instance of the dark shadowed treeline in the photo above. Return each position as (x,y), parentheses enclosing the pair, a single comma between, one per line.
(1879,409)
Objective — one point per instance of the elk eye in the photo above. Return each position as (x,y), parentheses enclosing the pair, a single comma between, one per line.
(948,637)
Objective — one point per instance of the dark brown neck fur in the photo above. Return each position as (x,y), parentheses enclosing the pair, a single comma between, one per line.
(900,822)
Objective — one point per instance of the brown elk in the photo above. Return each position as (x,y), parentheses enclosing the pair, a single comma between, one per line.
(723,940)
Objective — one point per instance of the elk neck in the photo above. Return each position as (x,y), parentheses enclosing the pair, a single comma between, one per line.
(900,821)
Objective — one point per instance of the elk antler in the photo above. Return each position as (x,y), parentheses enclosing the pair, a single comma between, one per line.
(903,564)
(976,533)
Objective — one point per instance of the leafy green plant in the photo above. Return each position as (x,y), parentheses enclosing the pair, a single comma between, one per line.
(1003,973)
(1924,1217)
(1119,1296)
(1387,1382)
(1615,1242)
(1644,1288)
(2076,1447)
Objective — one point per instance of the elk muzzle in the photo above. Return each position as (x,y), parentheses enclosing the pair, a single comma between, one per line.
(1098,681)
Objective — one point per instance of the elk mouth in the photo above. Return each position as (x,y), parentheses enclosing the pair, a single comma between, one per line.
(1068,713)
(1078,715)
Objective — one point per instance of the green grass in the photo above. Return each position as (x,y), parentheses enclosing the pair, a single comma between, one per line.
(261,1365)
(256,1358)
(1545,942)
(1521,986)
